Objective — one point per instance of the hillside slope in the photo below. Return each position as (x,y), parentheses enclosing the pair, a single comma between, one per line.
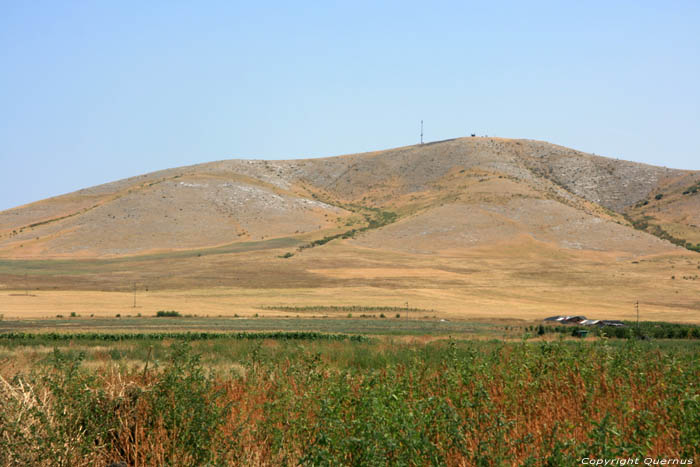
(469,228)
(476,189)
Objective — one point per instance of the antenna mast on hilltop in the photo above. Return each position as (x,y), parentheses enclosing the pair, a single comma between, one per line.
(421,132)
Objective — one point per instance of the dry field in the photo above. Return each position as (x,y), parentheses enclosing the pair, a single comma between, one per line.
(472,228)
(528,281)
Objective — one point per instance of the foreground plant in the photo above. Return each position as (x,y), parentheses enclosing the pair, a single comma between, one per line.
(334,402)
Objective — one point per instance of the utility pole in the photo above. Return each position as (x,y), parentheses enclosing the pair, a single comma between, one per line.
(421,132)
(636,306)
(134,294)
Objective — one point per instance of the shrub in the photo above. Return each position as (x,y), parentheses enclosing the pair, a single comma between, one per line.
(64,426)
(183,405)
(383,422)
(174,417)
(444,403)
(168,314)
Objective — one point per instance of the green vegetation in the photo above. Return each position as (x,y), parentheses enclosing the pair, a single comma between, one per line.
(168,314)
(277,402)
(691,190)
(646,329)
(81,421)
(343,309)
(48,337)
(56,219)
(644,225)
(363,324)
(374,217)
(380,218)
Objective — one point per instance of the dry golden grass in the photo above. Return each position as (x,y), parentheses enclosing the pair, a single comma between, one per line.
(526,280)
(483,231)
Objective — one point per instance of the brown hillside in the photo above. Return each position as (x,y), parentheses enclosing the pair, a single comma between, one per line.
(496,180)
(470,227)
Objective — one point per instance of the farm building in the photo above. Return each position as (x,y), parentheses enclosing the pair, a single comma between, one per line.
(583,321)
(567,319)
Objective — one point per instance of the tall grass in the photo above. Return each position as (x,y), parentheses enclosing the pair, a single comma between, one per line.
(356,403)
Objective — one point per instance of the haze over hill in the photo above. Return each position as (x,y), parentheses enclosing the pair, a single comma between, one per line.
(485,214)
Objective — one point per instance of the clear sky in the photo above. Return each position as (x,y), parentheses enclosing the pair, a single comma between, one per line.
(95,91)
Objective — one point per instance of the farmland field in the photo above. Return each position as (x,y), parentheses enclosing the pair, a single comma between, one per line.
(373,325)
(382,308)
(406,394)
(299,234)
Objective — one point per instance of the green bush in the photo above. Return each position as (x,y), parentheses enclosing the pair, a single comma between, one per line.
(646,329)
(168,314)
(183,402)
(74,419)
(63,427)
(382,423)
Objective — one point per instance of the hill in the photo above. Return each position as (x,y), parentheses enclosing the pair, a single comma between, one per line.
(481,214)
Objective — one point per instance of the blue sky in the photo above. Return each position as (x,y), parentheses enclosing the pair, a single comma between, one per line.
(97,91)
